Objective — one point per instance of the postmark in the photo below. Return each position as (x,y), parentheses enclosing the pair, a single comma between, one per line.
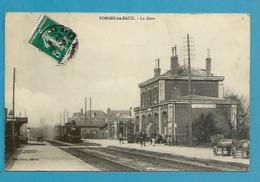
(54,39)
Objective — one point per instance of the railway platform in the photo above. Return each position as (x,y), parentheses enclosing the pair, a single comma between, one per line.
(198,153)
(41,156)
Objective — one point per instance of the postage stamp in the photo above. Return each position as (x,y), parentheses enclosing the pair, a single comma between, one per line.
(54,39)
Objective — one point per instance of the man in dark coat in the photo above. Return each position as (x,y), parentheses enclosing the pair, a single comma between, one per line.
(142,137)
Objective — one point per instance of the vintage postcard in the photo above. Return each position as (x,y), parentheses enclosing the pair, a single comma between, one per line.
(127,92)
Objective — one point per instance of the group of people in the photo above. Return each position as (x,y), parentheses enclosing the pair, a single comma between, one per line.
(142,137)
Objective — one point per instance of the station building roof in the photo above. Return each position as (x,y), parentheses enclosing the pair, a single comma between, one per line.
(196,74)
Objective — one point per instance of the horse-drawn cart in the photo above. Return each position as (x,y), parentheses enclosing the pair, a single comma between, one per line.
(228,147)
(223,147)
(240,148)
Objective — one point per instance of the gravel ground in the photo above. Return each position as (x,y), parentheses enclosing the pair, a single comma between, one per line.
(47,158)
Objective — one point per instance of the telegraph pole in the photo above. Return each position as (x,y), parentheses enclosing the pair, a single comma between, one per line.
(64,117)
(60,118)
(189,90)
(85,117)
(67,116)
(90,110)
(13,117)
(60,124)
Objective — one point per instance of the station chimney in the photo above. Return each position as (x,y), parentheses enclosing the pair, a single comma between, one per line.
(174,61)
(208,64)
(157,69)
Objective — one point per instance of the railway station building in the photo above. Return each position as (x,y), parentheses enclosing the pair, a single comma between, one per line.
(165,101)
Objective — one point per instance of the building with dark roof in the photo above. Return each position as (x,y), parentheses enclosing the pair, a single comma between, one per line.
(104,125)
(119,121)
(165,101)
(93,124)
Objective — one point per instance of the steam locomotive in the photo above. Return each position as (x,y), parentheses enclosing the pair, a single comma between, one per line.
(70,132)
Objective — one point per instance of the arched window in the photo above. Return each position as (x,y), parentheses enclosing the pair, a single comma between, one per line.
(155,95)
(142,99)
(143,122)
(137,119)
(150,97)
(145,99)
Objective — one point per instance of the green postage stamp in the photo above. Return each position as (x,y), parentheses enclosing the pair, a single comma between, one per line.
(54,39)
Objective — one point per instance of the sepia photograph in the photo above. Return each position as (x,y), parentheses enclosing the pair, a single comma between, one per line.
(127,92)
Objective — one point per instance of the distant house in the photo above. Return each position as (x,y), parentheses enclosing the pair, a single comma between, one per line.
(93,124)
(119,121)
(165,101)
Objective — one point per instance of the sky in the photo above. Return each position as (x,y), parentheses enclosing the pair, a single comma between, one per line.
(115,55)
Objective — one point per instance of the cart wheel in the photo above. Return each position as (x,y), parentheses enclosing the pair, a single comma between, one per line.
(234,152)
(215,151)
(228,151)
(247,154)
(243,154)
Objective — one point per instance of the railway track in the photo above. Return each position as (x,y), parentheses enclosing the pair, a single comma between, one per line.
(182,163)
(157,163)
(119,159)
(99,161)
(89,157)
(63,143)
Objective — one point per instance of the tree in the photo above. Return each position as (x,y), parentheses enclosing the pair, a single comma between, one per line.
(242,128)
(204,127)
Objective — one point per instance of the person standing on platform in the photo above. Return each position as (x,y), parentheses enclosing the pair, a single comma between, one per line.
(121,141)
(153,136)
(145,136)
(142,138)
